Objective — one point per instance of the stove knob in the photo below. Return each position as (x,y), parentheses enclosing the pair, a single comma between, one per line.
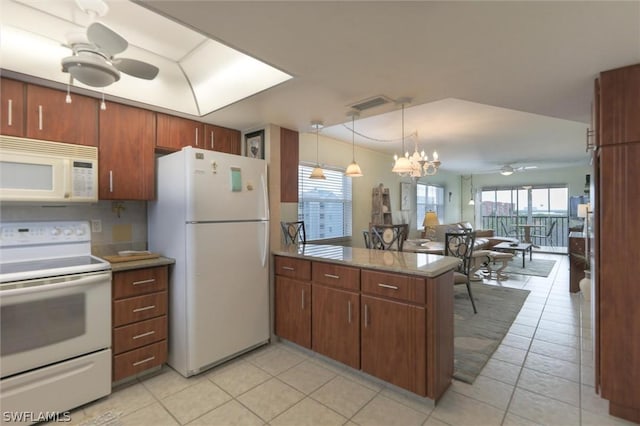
(55,231)
(80,231)
(67,231)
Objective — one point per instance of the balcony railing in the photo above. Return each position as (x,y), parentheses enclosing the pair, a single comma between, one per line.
(559,235)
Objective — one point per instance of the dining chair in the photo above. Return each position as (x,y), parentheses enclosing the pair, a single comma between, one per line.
(365,235)
(294,232)
(387,237)
(547,236)
(460,245)
(506,232)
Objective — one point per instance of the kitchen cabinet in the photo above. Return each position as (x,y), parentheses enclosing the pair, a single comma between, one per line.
(289,158)
(126,153)
(617,238)
(394,329)
(174,133)
(12,107)
(619,105)
(49,117)
(139,320)
(335,313)
(222,139)
(293,300)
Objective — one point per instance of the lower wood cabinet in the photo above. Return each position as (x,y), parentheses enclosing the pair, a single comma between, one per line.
(293,310)
(139,317)
(393,345)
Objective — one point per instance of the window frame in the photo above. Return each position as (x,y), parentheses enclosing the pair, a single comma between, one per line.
(439,207)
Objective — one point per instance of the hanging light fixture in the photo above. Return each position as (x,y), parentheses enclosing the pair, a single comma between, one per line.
(471,201)
(353,170)
(420,164)
(317,172)
(402,165)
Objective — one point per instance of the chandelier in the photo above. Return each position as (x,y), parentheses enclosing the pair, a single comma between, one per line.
(418,164)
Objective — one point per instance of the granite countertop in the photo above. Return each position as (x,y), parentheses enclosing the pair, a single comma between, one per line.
(139,264)
(428,265)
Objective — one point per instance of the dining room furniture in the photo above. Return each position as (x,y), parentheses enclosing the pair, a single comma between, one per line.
(547,236)
(577,260)
(294,232)
(424,246)
(526,227)
(513,247)
(388,237)
(460,245)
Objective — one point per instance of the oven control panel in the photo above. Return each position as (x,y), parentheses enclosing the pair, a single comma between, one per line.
(36,233)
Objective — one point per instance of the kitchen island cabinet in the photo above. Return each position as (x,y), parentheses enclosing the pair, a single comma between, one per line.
(50,118)
(405,323)
(127,159)
(12,101)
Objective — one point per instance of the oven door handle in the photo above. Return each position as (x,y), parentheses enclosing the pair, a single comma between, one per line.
(73,282)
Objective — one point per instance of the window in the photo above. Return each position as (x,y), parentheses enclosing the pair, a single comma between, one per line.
(429,197)
(325,205)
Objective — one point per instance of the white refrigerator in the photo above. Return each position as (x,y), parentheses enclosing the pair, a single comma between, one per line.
(212,216)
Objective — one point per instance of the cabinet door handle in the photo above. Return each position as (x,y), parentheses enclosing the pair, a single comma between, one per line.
(144,281)
(9,112)
(336,277)
(148,333)
(288,268)
(146,308)
(349,311)
(142,361)
(392,287)
(212,139)
(366,315)
(39,117)
(196,136)
(110,180)
(302,301)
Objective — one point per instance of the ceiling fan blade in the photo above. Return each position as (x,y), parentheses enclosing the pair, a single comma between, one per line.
(106,39)
(136,68)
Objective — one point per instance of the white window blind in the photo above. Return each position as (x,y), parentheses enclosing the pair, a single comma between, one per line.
(324,205)
(429,197)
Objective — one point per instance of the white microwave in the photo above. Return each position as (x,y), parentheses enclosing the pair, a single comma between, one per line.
(52,172)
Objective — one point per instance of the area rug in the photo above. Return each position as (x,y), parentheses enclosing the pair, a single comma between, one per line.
(535,267)
(476,336)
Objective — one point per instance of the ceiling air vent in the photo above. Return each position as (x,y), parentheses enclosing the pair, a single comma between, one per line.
(371,103)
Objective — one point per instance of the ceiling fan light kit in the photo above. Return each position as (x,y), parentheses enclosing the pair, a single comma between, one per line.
(506,170)
(90,70)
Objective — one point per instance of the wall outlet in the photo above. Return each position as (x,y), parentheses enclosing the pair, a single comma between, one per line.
(96,225)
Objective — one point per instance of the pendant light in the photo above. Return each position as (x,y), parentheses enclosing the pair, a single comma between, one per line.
(471,200)
(353,170)
(317,172)
(402,165)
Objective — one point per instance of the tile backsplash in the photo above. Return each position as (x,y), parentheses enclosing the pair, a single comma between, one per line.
(123,223)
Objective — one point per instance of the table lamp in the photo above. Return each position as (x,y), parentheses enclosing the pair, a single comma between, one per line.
(430,222)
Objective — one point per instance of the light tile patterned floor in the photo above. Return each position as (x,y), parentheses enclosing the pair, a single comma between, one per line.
(541,374)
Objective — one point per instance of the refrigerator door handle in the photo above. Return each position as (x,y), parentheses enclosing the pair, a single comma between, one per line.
(265,197)
(265,244)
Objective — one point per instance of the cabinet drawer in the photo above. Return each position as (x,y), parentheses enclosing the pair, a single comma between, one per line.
(336,276)
(139,334)
(576,245)
(139,281)
(293,268)
(138,360)
(395,286)
(139,308)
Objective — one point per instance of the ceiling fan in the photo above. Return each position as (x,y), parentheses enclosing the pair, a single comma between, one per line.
(508,169)
(93,61)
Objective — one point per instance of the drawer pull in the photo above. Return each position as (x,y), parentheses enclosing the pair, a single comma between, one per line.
(144,281)
(9,111)
(146,308)
(393,287)
(143,361)
(288,268)
(39,117)
(337,277)
(148,333)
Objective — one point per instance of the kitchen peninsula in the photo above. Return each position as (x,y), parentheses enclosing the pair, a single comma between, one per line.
(386,313)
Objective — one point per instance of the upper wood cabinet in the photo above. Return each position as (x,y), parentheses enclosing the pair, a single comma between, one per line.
(174,133)
(127,159)
(619,105)
(12,107)
(50,118)
(222,139)
(289,157)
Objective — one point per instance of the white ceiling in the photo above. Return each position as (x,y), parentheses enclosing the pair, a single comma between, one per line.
(491,82)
